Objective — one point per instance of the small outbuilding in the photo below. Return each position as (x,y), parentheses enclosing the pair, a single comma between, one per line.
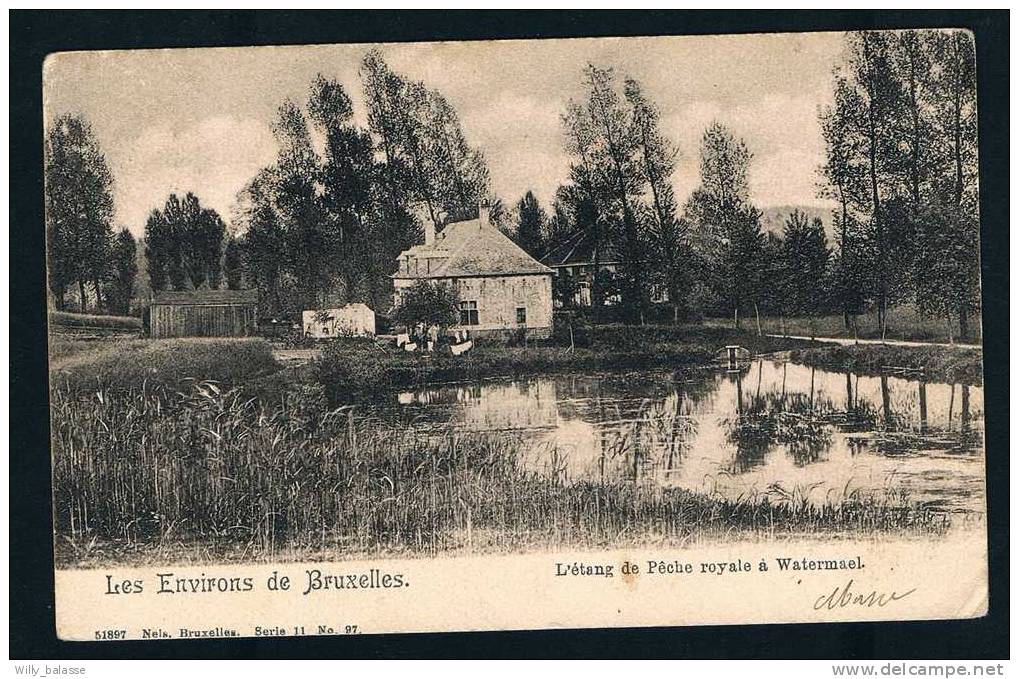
(353,320)
(203,313)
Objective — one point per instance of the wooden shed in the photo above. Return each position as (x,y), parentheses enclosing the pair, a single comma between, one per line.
(203,313)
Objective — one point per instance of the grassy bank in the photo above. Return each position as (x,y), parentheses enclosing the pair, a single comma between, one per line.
(125,364)
(151,475)
(904,323)
(95,321)
(356,370)
(938,364)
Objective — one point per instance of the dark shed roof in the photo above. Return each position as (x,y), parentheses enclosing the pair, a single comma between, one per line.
(205,297)
(578,248)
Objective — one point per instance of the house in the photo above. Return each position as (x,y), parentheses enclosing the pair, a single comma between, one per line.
(502,289)
(352,320)
(203,313)
(574,258)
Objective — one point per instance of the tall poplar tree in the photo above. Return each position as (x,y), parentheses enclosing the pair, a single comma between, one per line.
(79,209)
(531,225)
(725,226)
(125,269)
(601,137)
(668,247)
(901,163)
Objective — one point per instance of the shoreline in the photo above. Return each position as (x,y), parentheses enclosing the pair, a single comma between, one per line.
(928,363)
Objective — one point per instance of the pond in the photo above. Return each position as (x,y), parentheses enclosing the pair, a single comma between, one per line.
(773,428)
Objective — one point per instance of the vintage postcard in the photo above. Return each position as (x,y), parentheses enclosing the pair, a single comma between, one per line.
(375,338)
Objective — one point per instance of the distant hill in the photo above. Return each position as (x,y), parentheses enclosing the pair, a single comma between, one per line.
(773,218)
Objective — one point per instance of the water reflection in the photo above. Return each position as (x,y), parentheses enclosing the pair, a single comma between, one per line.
(772,427)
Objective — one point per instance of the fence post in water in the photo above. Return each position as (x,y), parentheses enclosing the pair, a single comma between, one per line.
(923,406)
(964,419)
(739,394)
(886,404)
(731,351)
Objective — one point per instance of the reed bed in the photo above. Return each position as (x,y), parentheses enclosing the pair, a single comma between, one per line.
(211,471)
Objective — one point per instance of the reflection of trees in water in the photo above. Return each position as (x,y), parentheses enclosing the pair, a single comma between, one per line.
(669,426)
(643,426)
(909,430)
(648,440)
(662,434)
(775,418)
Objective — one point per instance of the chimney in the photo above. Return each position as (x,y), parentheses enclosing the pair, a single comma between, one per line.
(420,211)
(483,213)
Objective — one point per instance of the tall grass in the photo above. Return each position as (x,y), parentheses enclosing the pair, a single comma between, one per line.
(152,470)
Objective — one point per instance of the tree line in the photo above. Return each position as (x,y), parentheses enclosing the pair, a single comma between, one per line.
(83,253)
(901,163)
(326,221)
(183,242)
(710,254)
(332,224)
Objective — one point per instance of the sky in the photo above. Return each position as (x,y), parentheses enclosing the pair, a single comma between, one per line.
(200,119)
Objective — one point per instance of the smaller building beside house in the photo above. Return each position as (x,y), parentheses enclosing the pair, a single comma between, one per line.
(502,289)
(203,313)
(574,258)
(352,320)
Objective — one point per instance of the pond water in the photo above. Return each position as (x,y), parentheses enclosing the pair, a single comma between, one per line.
(774,428)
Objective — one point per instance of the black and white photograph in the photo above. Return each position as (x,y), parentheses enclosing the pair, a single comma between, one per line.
(678,316)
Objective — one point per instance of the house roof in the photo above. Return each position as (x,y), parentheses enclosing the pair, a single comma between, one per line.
(578,248)
(471,248)
(205,297)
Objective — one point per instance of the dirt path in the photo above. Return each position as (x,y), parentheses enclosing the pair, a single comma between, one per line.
(844,341)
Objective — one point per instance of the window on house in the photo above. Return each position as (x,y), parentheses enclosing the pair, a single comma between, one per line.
(469,312)
(521,315)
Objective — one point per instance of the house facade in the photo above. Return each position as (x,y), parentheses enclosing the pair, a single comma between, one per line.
(502,289)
